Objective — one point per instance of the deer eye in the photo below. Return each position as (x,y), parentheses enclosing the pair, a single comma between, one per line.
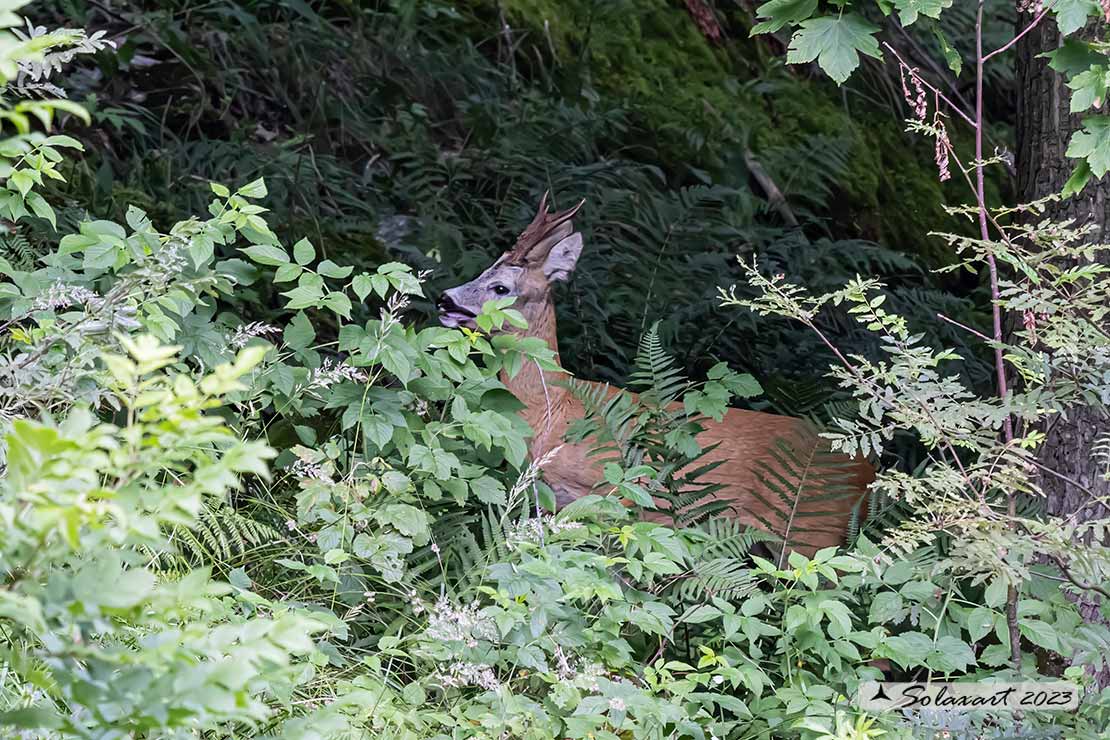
(500,290)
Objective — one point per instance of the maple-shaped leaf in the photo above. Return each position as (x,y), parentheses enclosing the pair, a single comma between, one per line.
(909,10)
(1092,144)
(1071,15)
(835,42)
(1089,88)
(1072,57)
(779,13)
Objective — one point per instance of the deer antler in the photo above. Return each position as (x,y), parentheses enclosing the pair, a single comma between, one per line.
(545,231)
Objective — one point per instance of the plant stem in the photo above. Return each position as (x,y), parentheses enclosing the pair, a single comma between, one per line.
(996,311)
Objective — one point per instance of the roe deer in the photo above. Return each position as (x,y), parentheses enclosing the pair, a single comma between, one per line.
(746,441)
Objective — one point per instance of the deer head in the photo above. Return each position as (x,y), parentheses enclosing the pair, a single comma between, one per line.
(545,252)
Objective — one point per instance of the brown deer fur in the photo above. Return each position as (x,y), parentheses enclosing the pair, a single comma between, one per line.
(546,252)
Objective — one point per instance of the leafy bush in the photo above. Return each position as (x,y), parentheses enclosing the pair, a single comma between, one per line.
(97,643)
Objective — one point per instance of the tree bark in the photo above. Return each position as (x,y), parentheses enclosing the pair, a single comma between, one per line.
(1044,127)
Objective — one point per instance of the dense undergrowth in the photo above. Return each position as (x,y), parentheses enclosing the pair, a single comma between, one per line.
(250,490)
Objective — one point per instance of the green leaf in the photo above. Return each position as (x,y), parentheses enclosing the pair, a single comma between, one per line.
(64,141)
(287,273)
(265,254)
(41,208)
(362,286)
(129,588)
(303,296)
(995,593)
(1072,57)
(909,10)
(378,429)
(238,271)
(413,695)
(256,189)
(898,573)
(835,42)
(979,623)
(488,490)
(408,520)
(335,556)
(1071,15)
(950,655)
(1039,633)
(23,181)
(1092,144)
(327,268)
(299,333)
(700,614)
(339,303)
(238,577)
(637,494)
(886,606)
(220,190)
(909,649)
(304,252)
(952,56)
(840,619)
(1088,88)
(1078,180)
(780,13)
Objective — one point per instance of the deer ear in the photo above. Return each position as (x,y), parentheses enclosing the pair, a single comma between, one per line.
(562,258)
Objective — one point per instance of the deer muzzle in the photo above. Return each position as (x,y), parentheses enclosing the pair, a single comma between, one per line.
(451,314)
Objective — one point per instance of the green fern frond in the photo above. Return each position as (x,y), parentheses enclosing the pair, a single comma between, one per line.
(657,378)
(611,418)
(728,537)
(799,488)
(724,578)
(222,535)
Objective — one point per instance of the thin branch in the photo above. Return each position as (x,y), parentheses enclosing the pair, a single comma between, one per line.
(1076,582)
(917,76)
(1067,479)
(996,315)
(966,328)
(1027,29)
(937,70)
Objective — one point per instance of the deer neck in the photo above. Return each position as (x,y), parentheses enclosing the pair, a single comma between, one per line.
(541,391)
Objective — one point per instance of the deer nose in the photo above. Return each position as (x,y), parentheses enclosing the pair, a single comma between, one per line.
(447,303)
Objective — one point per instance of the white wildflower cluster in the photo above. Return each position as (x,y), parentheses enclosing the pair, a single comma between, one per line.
(468,674)
(448,623)
(239,338)
(532,530)
(332,372)
(60,295)
(306,469)
(391,314)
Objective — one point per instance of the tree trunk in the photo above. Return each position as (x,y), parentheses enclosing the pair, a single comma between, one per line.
(1044,127)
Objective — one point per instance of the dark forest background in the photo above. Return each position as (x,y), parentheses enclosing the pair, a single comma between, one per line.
(426,131)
